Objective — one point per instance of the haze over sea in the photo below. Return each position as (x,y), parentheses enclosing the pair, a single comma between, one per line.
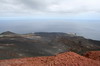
(87,28)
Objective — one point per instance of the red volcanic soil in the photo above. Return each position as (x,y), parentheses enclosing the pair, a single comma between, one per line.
(95,55)
(63,59)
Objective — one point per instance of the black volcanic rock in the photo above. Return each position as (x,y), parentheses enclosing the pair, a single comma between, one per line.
(49,44)
(50,34)
(8,33)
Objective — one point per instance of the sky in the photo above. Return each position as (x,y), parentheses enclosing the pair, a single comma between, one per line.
(69,9)
(71,16)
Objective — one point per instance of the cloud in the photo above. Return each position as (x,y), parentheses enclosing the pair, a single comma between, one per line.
(76,6)
(34,7)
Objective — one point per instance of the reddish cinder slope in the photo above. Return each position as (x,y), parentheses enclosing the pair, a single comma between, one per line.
(95,55)
(63,59)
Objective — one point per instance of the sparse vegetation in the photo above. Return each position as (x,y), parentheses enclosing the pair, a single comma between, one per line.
(18,45)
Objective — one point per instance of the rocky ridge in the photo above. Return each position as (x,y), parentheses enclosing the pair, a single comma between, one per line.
(63,59)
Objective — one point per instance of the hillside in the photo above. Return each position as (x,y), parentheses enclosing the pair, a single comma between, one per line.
(63,59)
(8,33)
(95,55)
(14,45)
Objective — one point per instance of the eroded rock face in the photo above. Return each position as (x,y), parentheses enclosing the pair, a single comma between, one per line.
(95,55)
(63,59)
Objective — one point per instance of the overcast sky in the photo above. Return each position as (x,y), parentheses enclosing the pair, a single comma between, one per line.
(69,9)
(72,16)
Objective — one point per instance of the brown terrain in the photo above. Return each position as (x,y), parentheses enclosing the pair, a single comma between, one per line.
(48,49)
(93,55)
(63,59)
